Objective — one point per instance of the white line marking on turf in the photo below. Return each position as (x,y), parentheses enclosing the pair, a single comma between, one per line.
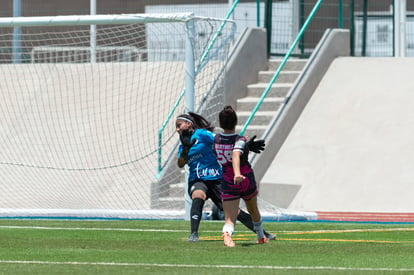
(106,229)
(183,230)
(212,266)
(101,229)
(89,229)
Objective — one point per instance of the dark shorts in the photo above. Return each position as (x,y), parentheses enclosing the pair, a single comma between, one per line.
(212,188)
(246,189)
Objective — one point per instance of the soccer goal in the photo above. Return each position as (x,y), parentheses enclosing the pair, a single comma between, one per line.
(87,107)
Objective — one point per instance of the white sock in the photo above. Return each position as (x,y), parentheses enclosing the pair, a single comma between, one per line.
(228,228)
(258,228)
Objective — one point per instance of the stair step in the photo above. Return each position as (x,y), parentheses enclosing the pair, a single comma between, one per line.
(177,189)
(253,130)
(283,77)
(268,104)
(260,117)
(277,89)
(290,65)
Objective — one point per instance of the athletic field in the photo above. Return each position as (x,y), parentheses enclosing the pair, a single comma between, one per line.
(161,247)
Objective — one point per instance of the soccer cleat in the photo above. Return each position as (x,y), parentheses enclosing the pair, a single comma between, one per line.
(227,240)
(270,237)
(193,237)
(262,240)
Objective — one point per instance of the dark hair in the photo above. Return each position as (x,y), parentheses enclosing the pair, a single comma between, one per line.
(228,118)
(197,120)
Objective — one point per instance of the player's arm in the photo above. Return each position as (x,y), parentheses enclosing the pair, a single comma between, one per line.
(238,177)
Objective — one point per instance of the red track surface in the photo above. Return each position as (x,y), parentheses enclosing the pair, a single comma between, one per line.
(365,216)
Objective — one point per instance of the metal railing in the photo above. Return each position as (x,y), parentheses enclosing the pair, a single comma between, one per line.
(282,64)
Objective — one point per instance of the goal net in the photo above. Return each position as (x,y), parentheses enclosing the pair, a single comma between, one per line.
(88,106)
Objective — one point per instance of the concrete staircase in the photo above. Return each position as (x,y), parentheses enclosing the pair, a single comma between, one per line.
(174,198)
(274,99)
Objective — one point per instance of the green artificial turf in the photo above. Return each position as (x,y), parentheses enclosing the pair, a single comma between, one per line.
(161,246)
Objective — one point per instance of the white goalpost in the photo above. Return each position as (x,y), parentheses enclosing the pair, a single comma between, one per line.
(87,129)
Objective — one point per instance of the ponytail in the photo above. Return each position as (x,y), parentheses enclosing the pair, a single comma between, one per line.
(200,122)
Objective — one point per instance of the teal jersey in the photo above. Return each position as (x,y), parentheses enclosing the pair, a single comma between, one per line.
(201,160)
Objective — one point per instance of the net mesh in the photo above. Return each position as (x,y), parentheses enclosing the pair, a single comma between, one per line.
(82,127)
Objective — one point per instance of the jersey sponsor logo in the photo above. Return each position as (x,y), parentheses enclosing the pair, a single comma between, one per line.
(206,172)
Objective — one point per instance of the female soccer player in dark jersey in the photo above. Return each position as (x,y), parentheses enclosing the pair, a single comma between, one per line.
(238,177)
(204,180)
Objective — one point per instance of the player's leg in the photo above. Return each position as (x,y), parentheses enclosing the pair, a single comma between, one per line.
(198,196)
(251,191)
(251,205)
(231,209)
(244,217)
(214,193)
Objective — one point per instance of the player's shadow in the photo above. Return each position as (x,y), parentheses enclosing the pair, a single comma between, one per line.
(248,244)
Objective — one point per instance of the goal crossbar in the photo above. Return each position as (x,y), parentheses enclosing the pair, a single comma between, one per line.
(79,20)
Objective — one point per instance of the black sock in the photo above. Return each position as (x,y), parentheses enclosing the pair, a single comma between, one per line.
(196,212)
(246,219)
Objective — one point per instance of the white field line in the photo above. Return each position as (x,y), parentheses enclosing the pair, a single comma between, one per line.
(88,229)
(269,267)
(173,230)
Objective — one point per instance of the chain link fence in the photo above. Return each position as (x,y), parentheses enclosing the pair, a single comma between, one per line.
(371,21)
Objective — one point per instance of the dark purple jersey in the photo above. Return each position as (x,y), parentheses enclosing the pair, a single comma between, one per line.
(224,145)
